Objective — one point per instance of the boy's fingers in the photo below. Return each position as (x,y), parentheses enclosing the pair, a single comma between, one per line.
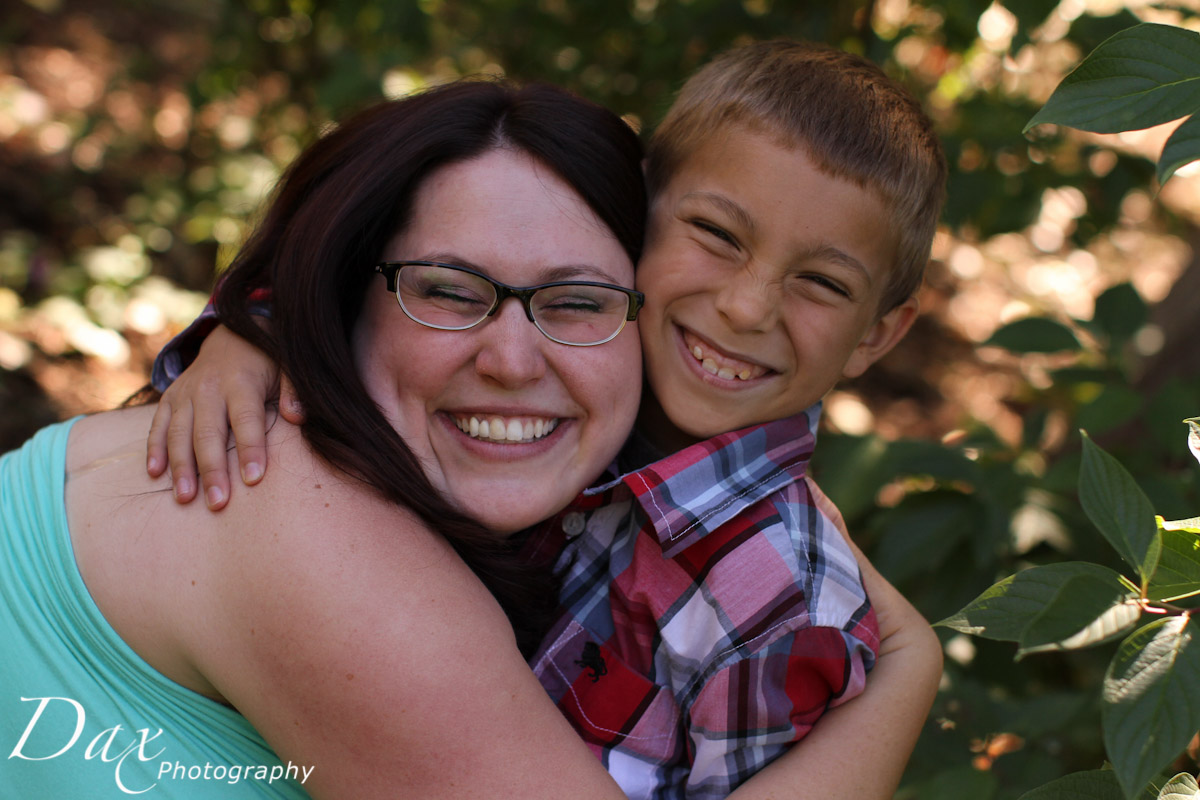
(248,418)
(156,441)
(290,407)
(180,455)
(210,437)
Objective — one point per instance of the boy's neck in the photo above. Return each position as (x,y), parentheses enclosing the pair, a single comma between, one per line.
(658,430)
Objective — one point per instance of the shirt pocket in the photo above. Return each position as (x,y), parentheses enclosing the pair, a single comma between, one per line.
(612,705)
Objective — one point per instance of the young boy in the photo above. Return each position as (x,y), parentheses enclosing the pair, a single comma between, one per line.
(710,612)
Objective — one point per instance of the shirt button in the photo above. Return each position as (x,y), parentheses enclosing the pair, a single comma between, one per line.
(573,523)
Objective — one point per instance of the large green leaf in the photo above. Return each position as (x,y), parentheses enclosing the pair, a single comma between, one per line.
(1098,784)
(1140,77)
(1182,787)
(1087,609)
(1008,609)
(1034,335)
(1178,573)
(1181,149)
(1119,508)
(1120,312)
(1151,705)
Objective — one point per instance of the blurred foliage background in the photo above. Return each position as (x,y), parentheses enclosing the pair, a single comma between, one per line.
(138,138)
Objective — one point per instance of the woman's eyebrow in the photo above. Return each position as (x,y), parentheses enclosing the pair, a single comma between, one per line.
(563,272)
(724,204)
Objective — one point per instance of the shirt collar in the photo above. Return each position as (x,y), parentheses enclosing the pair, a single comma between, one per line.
(699,488)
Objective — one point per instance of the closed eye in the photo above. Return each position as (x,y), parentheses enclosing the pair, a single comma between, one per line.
(715,231)
(826,283)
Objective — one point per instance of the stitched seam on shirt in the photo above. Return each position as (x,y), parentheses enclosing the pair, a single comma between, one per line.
(732,498)
(748,642)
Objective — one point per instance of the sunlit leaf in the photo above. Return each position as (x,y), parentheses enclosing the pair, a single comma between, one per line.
(1194,436)
(1178,573)
(1181,149)
(1010,607)
(1098,784)
(1151,708)
(1034,335)
(1140,77)
(1119,508)
(1182,787)
(1087,609)
(1191,524)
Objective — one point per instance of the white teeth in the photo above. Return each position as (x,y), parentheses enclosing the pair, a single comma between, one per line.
(709,364)
(496,429)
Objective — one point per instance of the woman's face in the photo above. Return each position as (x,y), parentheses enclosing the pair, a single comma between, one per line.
(512,218)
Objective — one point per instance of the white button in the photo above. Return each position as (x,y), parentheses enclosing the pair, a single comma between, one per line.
(573,523)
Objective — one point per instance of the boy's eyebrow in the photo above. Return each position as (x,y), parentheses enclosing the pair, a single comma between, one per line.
(827,252)
(731,208)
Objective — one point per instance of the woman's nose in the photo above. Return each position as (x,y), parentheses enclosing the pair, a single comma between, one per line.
(747,302)
(511,347)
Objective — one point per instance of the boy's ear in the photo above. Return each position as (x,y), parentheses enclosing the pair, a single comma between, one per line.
(881,337)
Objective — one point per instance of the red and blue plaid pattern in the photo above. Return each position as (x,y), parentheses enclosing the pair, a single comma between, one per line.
(710,614)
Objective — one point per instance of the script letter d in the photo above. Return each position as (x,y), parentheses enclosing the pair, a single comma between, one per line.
(80,716)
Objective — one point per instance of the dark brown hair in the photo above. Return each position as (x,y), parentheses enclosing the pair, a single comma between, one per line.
(850,118)
(329,221)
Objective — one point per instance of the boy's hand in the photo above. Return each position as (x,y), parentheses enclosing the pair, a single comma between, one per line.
(226,386)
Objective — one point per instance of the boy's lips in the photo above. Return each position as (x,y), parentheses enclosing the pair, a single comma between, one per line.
(718,362)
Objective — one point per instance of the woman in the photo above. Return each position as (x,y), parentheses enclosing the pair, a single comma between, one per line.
(332,617)
(343,630)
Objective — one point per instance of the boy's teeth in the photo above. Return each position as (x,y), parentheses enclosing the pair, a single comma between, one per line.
(499,429)
(742,371)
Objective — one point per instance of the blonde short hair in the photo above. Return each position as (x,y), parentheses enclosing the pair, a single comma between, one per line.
(852,120)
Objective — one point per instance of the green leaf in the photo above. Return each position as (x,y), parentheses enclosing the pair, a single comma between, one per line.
(1181,149)
(1151,709)
(1120,312)
(1006,610)
(1117,506)
(1087,609)
(1140,77)
(1182,787)
(1098,784)
(1178,573)
(1034,335)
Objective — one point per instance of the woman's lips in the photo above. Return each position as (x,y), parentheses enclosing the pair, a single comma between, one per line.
(505,430)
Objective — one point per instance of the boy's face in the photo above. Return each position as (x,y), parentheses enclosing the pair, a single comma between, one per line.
(762,277)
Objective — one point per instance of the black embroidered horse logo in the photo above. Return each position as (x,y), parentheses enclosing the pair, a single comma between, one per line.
(593,661)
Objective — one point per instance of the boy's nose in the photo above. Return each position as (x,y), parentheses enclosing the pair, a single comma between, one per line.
(511,347)
(747,302)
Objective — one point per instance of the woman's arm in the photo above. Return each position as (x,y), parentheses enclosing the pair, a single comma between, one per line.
(356,642)
(860,749)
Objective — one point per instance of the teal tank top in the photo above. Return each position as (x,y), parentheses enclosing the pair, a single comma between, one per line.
(81,714)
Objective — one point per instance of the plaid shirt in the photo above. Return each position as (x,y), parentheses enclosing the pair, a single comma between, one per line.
(710,614)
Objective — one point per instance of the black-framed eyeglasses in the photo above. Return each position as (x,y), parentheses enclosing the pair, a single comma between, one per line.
(453,298)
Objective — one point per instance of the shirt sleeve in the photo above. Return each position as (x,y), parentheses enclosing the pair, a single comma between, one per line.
(751,710)
(181,351)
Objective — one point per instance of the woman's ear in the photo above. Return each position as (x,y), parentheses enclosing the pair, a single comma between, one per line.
(881,337)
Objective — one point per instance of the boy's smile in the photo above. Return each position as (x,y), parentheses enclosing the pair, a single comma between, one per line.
(762,277)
